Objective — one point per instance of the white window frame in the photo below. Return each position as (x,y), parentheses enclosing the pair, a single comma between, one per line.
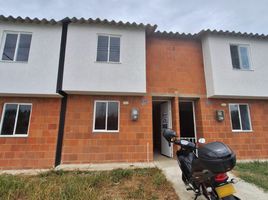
(16,48)
(94,117)
(16,119)
(108,55)
(240,59)
(250,123)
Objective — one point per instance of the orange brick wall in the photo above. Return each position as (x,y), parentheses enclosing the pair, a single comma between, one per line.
(38,149)
(174,66)
(81,145)
(247,145)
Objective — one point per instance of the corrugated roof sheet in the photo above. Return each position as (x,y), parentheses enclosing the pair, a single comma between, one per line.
(175,35)
(27,20)
(232,33)
(148,27)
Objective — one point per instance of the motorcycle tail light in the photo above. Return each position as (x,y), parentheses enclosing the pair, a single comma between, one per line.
(222,177)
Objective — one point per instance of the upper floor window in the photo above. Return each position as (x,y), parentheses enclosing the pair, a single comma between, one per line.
(15,119)
(240,56)
(240,117)
(106,116)
(16,46)
(108,49)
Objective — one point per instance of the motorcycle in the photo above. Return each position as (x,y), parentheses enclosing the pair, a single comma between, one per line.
(204,169)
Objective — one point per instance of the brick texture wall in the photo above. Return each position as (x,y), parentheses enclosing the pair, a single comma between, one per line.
(38,149)
(175,68)
(133,143)
(247,145)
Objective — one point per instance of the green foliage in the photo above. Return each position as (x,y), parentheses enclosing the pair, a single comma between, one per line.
(159,179)
(120,174)
(254,172)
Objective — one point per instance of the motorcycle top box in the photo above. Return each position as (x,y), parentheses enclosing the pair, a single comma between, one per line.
(216,157)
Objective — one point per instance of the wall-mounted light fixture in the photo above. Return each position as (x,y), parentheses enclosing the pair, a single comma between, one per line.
(134,114)
(219,115)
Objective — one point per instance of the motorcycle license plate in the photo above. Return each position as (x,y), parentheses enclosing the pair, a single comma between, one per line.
(225,190)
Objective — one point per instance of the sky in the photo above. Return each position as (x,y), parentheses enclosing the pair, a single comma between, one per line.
(188,16)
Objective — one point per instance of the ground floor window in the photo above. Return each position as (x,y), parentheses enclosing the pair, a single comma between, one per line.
(240,117)
(15,119)
(106,116)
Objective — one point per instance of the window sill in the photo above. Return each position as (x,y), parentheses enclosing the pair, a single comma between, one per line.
(13,136)
(104,131)
(104,62)
(9,61)
(249,70)
(242,131)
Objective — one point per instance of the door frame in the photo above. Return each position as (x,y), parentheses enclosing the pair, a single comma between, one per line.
(194,118)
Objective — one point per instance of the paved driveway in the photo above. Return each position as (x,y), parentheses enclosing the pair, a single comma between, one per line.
(245,191)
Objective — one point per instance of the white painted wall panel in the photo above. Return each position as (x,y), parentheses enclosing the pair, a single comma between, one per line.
(39,75)
(224,81)
(82,74)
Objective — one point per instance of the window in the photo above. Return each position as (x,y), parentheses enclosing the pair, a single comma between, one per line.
(240,117)
(108,49)
(106,116)
(16,46)
(240,56)
(15,119)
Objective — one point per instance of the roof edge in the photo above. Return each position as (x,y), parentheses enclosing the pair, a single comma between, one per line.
(28,20)
(175,35)
(148,27)
(231,33)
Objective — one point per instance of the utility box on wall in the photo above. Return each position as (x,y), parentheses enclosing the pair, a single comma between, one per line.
(219,115)
(134,114)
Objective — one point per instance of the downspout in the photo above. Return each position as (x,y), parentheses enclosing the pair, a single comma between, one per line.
(59,90)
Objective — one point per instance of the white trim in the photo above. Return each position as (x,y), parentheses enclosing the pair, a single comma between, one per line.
(106,117)
(16,48)
(16,119)
(239,115)
(108,55)
(3,42)
(15,124)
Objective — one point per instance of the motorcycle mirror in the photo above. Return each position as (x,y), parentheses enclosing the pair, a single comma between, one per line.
(202,140)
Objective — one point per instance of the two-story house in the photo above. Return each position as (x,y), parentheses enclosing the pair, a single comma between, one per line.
(93,91)
(105,81)
(236,68)
(29,102)
(213,85)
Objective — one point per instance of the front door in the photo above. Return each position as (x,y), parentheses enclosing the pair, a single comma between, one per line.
(166,122)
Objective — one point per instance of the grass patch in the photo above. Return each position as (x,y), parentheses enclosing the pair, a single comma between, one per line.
(78,185)
(254,172)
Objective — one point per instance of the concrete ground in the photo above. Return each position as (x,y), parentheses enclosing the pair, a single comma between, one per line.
(245,191)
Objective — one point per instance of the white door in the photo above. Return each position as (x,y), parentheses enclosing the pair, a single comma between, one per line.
(166,122)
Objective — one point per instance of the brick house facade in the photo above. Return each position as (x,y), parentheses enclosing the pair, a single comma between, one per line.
(80,109)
